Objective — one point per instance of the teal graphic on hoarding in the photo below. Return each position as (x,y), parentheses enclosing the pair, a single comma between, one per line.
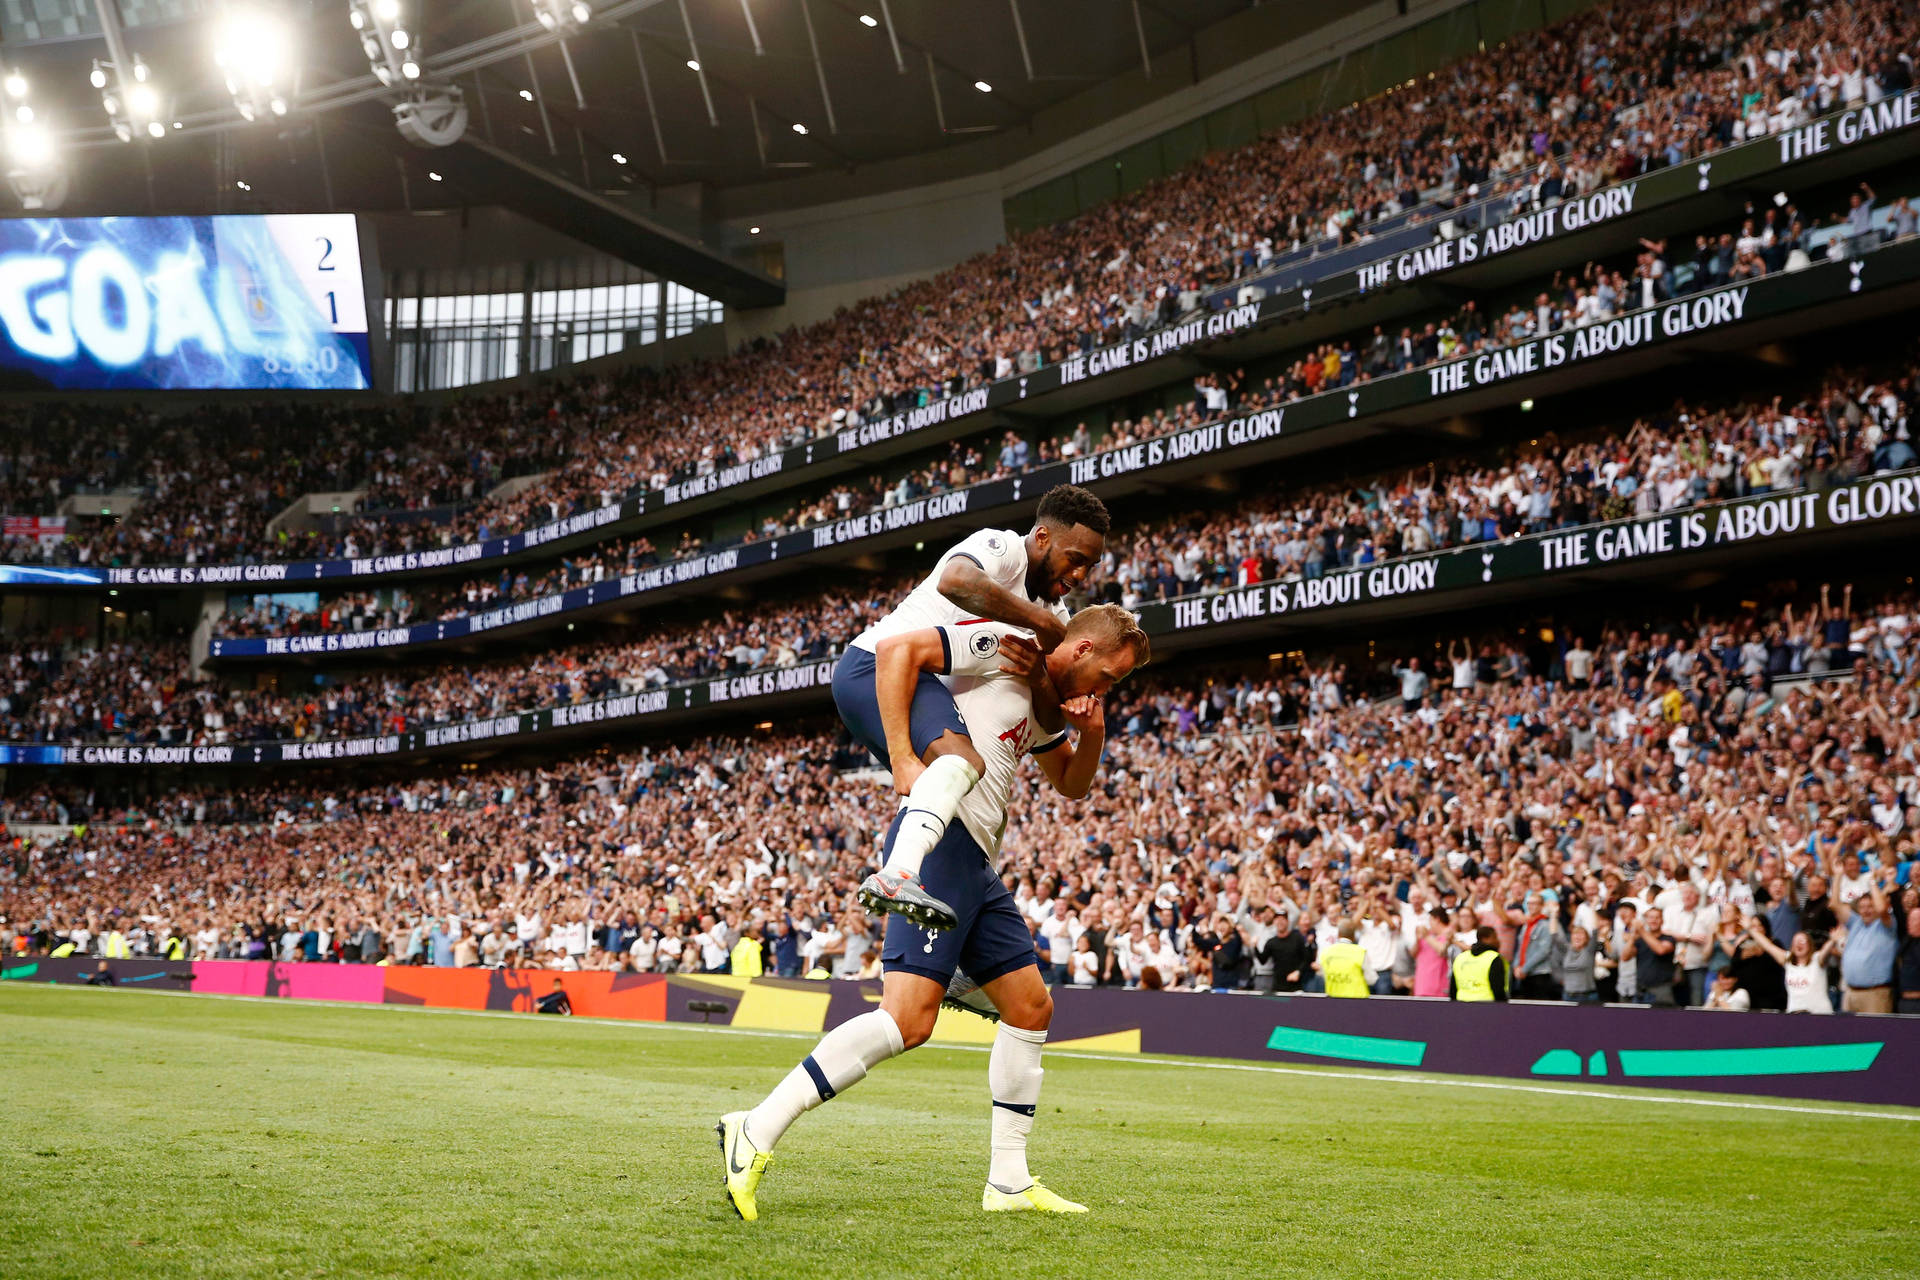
(1331,1044)
(1772,1060)
(1693,1064)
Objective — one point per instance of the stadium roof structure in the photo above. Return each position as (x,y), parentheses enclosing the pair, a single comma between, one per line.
(615,121)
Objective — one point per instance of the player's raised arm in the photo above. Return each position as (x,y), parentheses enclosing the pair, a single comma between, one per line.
(1071,766)
(1104,646)
(967,584)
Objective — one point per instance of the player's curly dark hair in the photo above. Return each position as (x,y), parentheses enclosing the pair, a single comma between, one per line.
(1067,505)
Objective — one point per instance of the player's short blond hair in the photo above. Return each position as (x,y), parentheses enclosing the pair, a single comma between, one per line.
(1112,627)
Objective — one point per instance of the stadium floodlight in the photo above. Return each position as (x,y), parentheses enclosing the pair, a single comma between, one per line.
(868,20)
(254,45)
(16,85)
(131,99)
(34,171)
(799,128)
(563,17)
(382,38)
(254,48)
(32,145)
(429,115)
(983,86)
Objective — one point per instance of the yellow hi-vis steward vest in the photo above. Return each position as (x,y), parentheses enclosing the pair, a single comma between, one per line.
(176,949)
(116,947)
(62,951)
(746,958)
(1473,975)
(1344,966)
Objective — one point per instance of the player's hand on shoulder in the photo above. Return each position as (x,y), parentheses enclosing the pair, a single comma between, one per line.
(1085,714)
(1020,656)
(1049,630)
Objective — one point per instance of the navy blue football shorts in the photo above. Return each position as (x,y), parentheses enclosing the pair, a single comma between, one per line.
(992,939)
(854,693)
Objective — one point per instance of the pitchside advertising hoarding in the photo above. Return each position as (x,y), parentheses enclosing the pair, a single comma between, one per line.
(240,302)
(1653,327)
(1878,501)
(1847,1058)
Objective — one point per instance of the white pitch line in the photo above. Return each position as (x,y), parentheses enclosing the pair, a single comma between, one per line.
(1123,1059)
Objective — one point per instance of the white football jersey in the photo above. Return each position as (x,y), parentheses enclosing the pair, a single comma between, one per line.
(1000,552)
(998,710)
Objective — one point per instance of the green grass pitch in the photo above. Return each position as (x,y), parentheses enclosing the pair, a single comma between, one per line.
(147,1134)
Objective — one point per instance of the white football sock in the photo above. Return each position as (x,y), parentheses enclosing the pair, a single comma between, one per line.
(1013,1073)
(841,1060)
(930,806)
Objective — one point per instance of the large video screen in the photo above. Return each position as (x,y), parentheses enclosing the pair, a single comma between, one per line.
(241,301)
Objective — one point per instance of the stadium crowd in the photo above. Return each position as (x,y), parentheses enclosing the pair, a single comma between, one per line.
(1618,92)
(1851,423)
(1634,819)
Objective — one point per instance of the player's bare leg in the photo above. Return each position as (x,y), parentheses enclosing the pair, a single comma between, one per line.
(841,1060)
(913,1002)
(1013,1073)
(952,769)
